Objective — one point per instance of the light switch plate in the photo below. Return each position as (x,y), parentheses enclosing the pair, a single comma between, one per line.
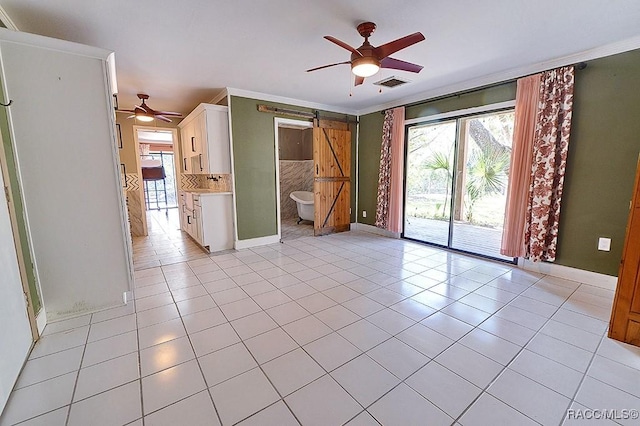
(604,244)
(364,213)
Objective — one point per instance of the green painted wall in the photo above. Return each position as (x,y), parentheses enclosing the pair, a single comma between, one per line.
(19,208)
(254,165)
(604,148)
(369,165)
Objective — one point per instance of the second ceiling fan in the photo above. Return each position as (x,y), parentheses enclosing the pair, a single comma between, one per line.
(144,112)
(366,60)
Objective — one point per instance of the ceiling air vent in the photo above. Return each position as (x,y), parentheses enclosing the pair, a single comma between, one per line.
(391,82)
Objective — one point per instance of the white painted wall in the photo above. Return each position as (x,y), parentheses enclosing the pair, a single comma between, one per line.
(15,333)
(62,126)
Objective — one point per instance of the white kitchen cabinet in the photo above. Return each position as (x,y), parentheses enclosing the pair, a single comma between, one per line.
(205,140)
(208,219)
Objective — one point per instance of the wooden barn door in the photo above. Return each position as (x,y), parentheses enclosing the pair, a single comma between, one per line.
(625,315)
(332,177)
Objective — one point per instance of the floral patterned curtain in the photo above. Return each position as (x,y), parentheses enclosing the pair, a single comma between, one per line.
(390,180)
(384,176)
(550,148)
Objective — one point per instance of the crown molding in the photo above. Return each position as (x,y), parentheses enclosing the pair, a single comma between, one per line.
(220,96)
(7,21)
(511,74)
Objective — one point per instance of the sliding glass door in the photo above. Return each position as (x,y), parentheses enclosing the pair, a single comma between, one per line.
(429,177)
(456,180)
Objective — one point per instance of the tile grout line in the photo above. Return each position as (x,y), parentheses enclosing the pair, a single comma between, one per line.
(135,311)
(584,376)
(75,384)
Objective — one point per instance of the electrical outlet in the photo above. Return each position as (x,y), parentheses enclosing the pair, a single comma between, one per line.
(604,244)
(364,213)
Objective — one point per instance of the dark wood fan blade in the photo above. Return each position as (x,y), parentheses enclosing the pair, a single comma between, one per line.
(393,46)
(397,64)
(343,45)
(327,66)
(169,113)
(125,110)
(359,80)
(163,118)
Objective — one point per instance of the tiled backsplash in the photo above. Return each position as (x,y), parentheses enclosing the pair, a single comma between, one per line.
(219,183)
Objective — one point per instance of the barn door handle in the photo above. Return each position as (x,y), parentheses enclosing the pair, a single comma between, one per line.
(317,169)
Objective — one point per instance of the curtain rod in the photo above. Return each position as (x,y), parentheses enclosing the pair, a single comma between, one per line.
(579,66)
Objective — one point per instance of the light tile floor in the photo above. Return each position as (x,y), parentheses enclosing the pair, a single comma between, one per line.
(165,243)
(350,328)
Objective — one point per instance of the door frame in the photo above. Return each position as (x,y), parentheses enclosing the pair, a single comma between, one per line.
(33,323)
(176,164)
(277,123)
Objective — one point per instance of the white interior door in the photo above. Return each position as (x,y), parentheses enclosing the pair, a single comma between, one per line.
(63,133)
(15,333)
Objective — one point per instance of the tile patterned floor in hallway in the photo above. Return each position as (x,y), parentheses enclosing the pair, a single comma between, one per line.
(349,328)
(166,244)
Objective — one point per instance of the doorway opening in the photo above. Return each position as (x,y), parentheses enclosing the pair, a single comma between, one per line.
(165,243)
(456,178)
(294,178)
(158,168)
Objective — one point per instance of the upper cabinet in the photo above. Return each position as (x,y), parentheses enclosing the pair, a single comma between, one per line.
(205,140)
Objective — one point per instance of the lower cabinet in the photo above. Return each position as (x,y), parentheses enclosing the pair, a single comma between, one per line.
(208,219)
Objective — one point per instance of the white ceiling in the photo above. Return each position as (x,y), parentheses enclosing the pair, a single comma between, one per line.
(185,52)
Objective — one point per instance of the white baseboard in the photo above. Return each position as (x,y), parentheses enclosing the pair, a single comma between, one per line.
(255,242)
(374,230)
(595,279)
(41,320)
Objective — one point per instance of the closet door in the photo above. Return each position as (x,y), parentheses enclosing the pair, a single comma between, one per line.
(15,332)
(63,132)
(625,316)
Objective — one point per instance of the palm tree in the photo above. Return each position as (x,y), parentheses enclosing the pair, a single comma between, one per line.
(441,161)
(487,172)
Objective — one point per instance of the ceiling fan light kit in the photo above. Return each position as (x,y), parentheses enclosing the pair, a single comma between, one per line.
(144,112)
(367,60)
(142,116)
(365,66)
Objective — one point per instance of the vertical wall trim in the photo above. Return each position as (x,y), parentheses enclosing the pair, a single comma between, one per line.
(233,175)
(357,164)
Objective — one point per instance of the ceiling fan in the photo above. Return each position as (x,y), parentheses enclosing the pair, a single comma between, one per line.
(144,112)
(366,60)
